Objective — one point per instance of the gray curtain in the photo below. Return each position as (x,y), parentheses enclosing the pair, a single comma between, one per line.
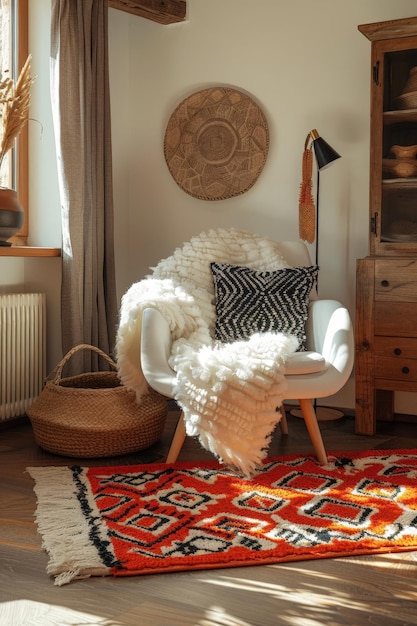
(81,113)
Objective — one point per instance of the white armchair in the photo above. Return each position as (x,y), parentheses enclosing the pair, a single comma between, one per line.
(319,372)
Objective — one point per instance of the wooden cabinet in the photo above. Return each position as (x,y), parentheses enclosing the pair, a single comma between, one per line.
(386,290)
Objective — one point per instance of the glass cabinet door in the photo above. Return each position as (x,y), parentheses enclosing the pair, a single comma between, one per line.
(393,188)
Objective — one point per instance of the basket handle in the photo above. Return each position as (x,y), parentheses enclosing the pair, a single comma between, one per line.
(56,374)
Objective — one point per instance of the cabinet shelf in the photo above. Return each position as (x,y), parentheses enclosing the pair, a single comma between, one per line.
(400,183)
(400,116)
(401,238)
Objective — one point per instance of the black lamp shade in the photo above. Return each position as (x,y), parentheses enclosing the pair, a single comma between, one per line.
(324,153)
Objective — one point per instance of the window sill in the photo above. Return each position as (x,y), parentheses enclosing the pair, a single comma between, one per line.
(28,251)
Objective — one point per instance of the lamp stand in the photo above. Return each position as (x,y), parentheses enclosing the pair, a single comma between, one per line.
(323,413)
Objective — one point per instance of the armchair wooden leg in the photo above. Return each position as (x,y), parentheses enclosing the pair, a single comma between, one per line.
(310,419)
(177,440)
(283,424)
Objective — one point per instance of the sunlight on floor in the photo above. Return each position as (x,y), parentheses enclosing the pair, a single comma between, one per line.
(20,612)
(302,596)
(309,603)
(296,600)
(217,616)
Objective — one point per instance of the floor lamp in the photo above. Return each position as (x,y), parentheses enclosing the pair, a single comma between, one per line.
(325,155)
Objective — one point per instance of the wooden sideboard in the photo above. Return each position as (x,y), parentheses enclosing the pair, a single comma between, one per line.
(386,336)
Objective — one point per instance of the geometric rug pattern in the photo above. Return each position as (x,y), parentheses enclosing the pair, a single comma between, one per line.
(144,519)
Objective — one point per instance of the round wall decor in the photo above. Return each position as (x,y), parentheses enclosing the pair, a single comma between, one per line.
(216,143)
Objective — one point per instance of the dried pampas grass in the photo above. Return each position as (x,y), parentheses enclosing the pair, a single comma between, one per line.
(14,106)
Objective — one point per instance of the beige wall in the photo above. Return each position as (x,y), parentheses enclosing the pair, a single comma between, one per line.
(307,66)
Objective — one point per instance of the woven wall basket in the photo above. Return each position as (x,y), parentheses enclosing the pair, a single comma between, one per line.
(93,414)
(216,143)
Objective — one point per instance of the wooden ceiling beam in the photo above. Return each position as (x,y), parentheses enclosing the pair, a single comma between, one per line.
(161,11)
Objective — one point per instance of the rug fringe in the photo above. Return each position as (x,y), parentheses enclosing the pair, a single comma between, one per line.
(72,555)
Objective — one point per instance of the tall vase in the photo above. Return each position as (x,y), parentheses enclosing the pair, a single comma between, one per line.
(11,215)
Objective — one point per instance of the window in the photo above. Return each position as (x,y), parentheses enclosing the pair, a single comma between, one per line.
(13,54)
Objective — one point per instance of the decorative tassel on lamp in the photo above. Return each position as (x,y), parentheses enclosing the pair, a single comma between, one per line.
(308,214)
(308,219)
(306,206)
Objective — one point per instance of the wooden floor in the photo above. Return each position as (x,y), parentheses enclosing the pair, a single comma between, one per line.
(371,590)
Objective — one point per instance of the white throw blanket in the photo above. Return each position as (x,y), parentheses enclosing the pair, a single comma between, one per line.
(229,393)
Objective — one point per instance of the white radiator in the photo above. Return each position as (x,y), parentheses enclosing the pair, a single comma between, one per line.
(22,351)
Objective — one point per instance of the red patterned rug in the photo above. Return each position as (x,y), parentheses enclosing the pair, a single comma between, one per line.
(146,519)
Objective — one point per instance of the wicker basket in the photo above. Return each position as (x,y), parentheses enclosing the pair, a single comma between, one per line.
(93,414)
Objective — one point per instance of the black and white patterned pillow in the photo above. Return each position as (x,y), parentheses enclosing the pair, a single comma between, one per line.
(250,301)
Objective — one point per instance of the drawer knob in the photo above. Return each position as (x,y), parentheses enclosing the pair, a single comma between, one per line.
(385,283)
(405,370)
(397,351)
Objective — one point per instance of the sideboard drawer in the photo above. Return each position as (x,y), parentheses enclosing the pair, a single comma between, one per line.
(397,369)
(398,319)
(396,347)
(396,280)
